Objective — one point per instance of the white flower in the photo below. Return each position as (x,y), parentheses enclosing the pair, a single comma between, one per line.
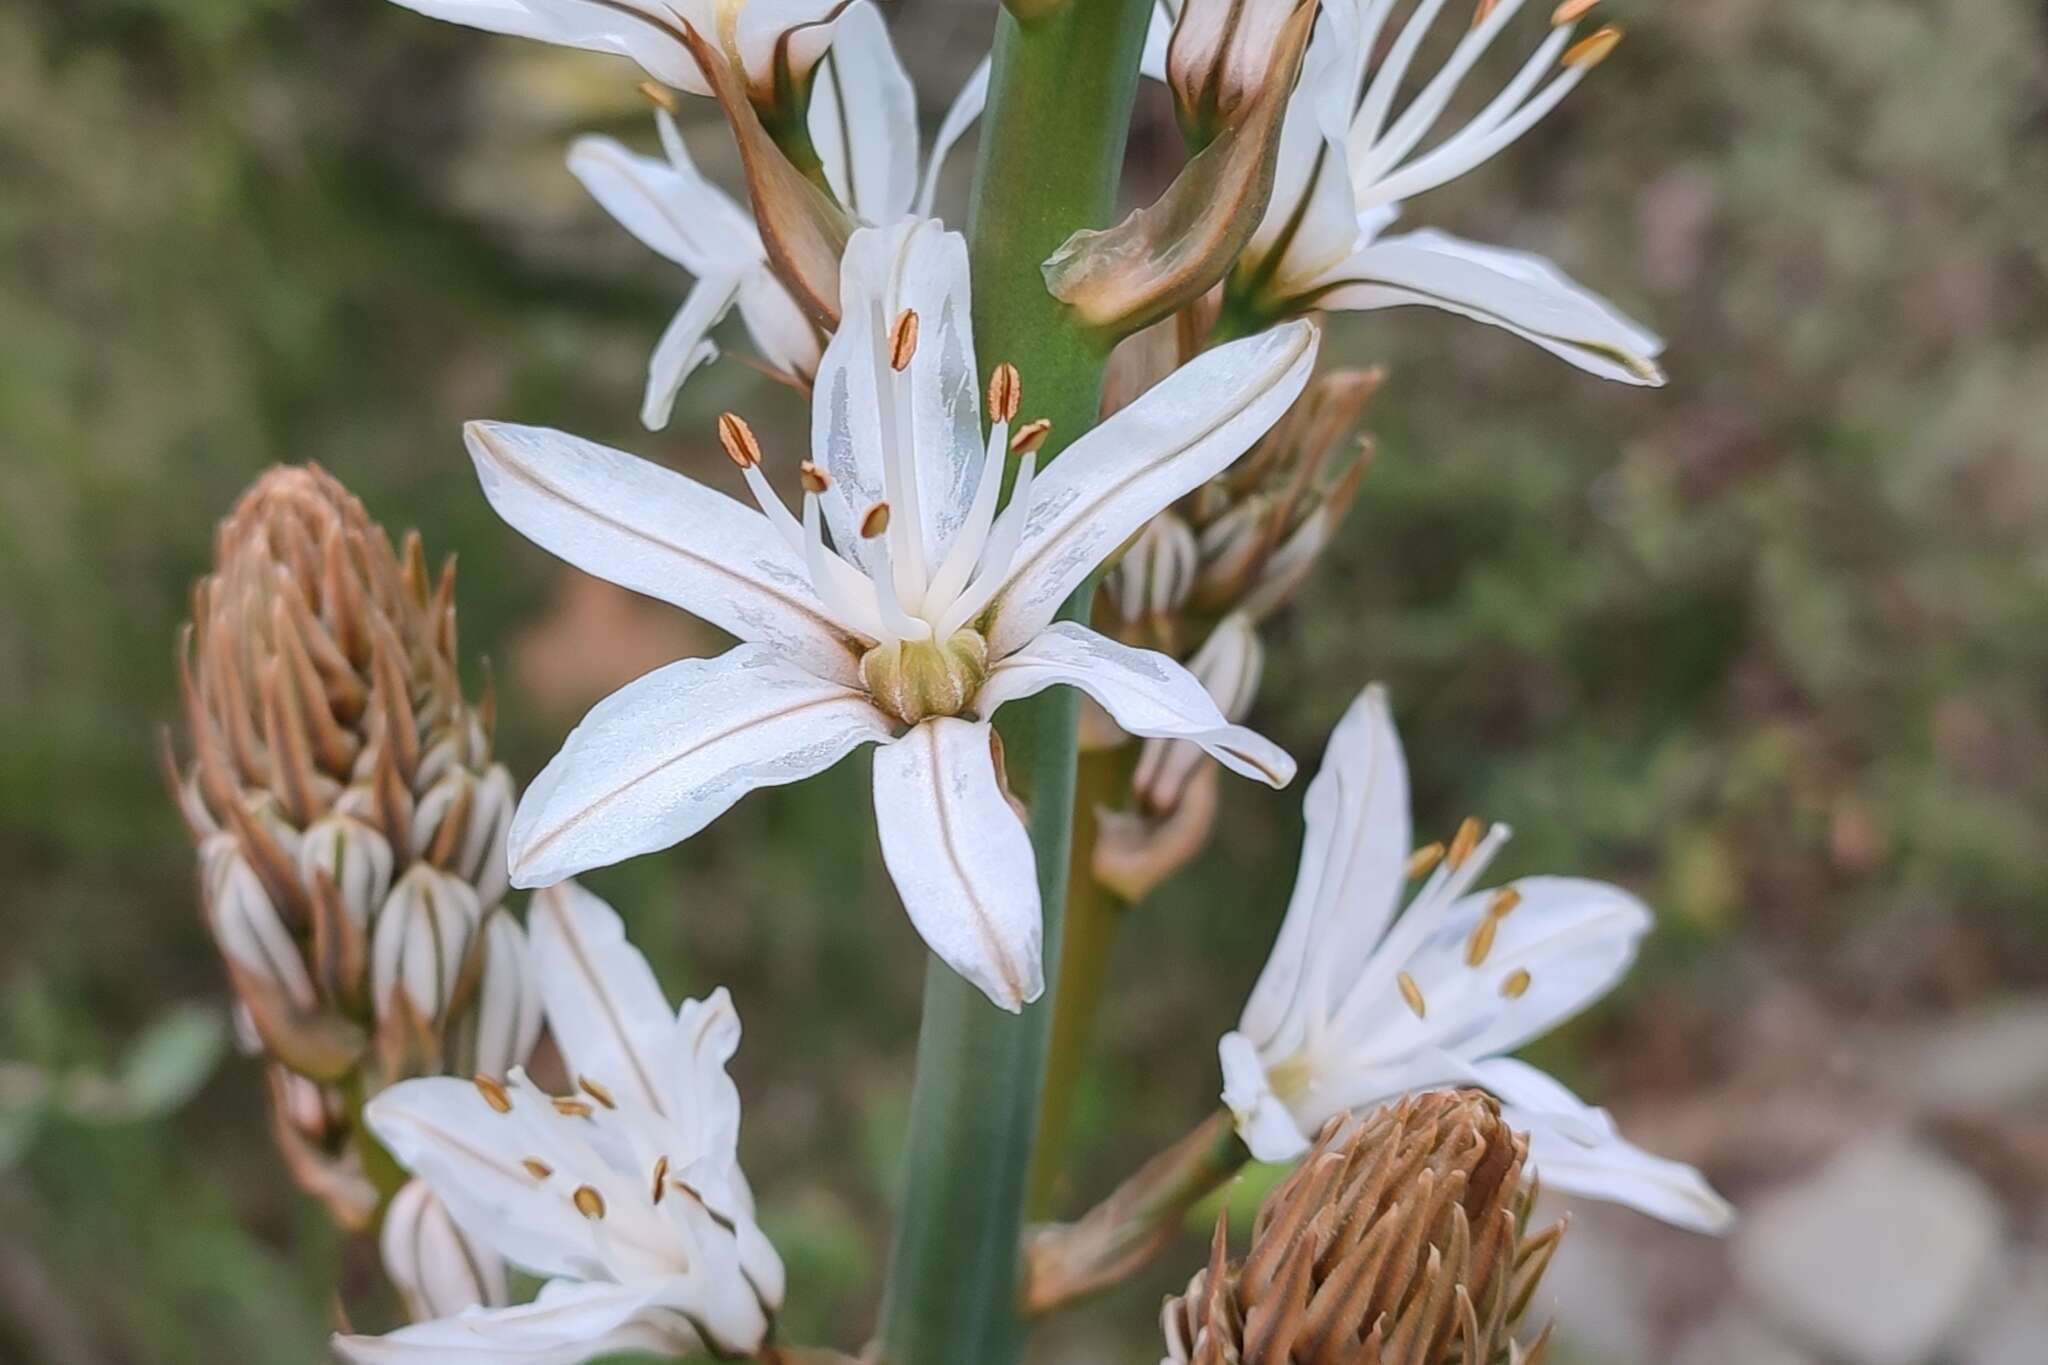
(863,122)
(925,613)
(1347,162)
(1359,1004)
(762,38)
(628,1195)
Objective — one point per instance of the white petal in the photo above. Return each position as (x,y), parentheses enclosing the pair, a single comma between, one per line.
(652,530)
(786,338)
(705,1105)
(444,1131)
(1147,693)
(665,203)
(568,1324)
(1183,431)
(1515,290)
(960,116)
(1264,1123)
(915,265)
(1576,1148)
(604,1006)
(1158,37)
(863,120)
(1353,855)
(803,29)
(666,754)
(961,858)
(644,30)
(685,345)
(1574,937)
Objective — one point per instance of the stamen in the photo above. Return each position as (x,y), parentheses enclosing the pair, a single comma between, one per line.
(972,537)
(1005,393)
(1504,902)
(1423,860)
(535,1167)
(1481,942)
(596,1092)
(494,1094)
(1003,539)
(815,480)
(1412,993)
(1589,52)
(660,96)
(1482,10)
(1030,436)
(903,340)
(571,1108)
(588,1202)
(660,1177)
(1517,983)
(1571,11)
(875,522)
(1464,841)
(738,439)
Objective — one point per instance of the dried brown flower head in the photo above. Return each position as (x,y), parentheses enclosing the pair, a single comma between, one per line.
(1401,1239)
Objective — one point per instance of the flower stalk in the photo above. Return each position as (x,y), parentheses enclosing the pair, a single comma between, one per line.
(1052,145)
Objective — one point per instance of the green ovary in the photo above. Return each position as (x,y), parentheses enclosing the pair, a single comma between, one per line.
(915,680)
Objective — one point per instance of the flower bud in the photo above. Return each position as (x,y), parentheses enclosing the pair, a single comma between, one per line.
(1264,524)
(354,857)
(422,943)
(437,1268)
(1151,582)
(248,929)
(1222,53)
(1173,251)
(1229,665)
(1400,1237)
(504,1024)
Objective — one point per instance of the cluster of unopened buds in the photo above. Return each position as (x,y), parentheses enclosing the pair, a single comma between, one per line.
(356,840)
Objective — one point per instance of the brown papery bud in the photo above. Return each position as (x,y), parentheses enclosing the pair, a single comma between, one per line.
(1221,54)
(1401,1239)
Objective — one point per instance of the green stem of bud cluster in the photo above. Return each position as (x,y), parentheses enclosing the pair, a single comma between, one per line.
(1052,148)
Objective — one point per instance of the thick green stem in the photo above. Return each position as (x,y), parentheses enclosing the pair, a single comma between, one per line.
(1051,149)
(1095,917)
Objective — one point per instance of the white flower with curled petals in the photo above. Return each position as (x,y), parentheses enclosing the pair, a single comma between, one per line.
(863,123)
(627,1195)
(1362,1001)
(928,607)
(1348,160)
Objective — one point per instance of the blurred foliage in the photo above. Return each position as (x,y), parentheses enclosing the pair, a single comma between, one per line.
(1769,645)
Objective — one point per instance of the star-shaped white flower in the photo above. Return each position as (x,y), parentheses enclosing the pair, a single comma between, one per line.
(764,39)
(863,123)
(1362,1001)
(627,1194)
(1348,160)
(926,611)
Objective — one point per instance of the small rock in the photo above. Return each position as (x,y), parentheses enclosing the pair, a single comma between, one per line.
(2012,1329)
(1994,1058)
(1875,1257)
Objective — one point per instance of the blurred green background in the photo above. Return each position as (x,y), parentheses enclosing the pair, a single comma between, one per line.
(1769,645)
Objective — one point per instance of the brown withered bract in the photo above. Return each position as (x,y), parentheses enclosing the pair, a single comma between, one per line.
(1401,1239)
